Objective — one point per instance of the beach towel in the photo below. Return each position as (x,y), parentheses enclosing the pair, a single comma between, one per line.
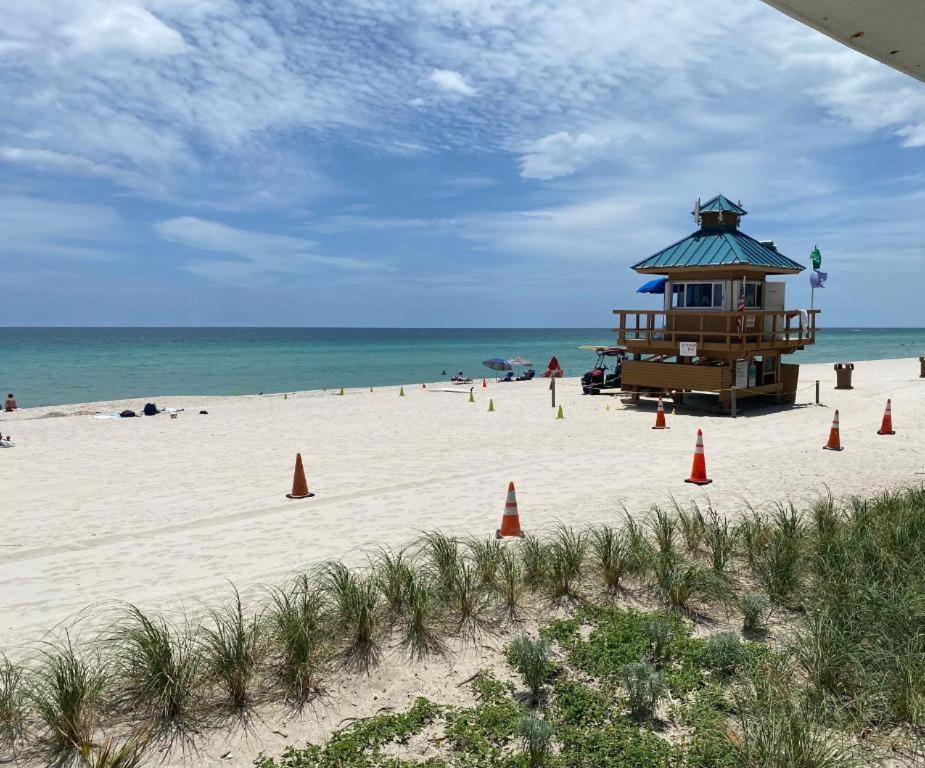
(106,416)
(804,320)
(7,444)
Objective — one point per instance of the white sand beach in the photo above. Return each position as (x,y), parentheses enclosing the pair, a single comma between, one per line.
(166,512)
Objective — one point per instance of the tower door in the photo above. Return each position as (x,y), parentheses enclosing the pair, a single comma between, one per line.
(773,300)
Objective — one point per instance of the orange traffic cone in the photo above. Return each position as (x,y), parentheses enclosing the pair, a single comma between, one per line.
(886,428)
(660,416)
(484,383)
(510,522)
(834,443)
(299,483)
(699,468)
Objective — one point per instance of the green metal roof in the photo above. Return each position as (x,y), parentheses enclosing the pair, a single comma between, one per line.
(722,203)
(718,247)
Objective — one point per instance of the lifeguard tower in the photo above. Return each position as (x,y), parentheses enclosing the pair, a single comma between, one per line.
(724,325)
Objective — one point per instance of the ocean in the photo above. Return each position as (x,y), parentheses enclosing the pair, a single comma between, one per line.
(53,366)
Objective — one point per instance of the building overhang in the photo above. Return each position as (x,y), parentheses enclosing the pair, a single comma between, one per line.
(718,272)
(890,31)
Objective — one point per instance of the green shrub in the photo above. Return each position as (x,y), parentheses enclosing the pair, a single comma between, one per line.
(530,658)
(644,688)
(724,653)
(536,737)
(660,633)
(755,610)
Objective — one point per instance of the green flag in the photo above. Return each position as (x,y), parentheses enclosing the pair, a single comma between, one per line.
(816,257)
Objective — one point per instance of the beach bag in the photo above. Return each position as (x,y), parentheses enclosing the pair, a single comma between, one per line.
(150,409)
(127,414)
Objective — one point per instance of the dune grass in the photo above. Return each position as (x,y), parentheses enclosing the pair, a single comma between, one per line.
(299,641)
(65,696)
(847,577)
(233,646)
(158,668)
(13,705)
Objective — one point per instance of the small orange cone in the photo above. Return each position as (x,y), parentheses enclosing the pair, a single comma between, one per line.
(699,468)
(484,383)
(834,443)
(299,483)
(510,522)
(886,428)
(660,416)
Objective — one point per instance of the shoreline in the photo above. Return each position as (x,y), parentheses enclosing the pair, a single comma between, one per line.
(99,406)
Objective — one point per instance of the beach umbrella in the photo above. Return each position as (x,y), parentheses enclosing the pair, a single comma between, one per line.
(497,364)
(519,361)
(653,286)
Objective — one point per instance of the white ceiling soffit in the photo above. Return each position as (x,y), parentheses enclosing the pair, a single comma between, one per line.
(891,31)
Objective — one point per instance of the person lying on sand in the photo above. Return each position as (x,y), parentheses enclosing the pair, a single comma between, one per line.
(9,404)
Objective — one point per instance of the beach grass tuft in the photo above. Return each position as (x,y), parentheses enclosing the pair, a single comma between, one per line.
(356,615)
(422,625)
(65,694)
(159,668)
(13,705)
(565,558)
(299,640)
(233,647)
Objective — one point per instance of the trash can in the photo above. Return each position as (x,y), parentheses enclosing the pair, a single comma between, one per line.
(922,365)
(843,375)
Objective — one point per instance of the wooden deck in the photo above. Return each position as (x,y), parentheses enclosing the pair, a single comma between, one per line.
(724,334)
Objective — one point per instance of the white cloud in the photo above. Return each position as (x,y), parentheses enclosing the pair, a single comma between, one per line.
(559,154)
(31,227)
(451,81)
(258,254)
(44,159)
(102,27)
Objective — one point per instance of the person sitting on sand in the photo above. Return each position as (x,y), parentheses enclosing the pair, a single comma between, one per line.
(10,404)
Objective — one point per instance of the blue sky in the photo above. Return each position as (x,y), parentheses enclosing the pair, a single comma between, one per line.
(442,162)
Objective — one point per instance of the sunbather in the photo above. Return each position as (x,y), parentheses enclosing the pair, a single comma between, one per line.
(9,404)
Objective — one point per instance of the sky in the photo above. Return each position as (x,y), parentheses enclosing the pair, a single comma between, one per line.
(436,162)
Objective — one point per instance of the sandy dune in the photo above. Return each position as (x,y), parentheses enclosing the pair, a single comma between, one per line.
(164,512)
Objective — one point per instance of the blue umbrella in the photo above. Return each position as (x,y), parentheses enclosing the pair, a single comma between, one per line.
(653,286)
(497,364)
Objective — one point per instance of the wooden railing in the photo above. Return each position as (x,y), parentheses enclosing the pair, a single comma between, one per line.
(662,331)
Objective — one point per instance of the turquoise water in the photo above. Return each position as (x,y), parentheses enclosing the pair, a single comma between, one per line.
(51,366)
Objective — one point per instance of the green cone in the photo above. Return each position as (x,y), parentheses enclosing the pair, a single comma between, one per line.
(401,392)
(560,414)
(341,391)
(471,395)
(491,405)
